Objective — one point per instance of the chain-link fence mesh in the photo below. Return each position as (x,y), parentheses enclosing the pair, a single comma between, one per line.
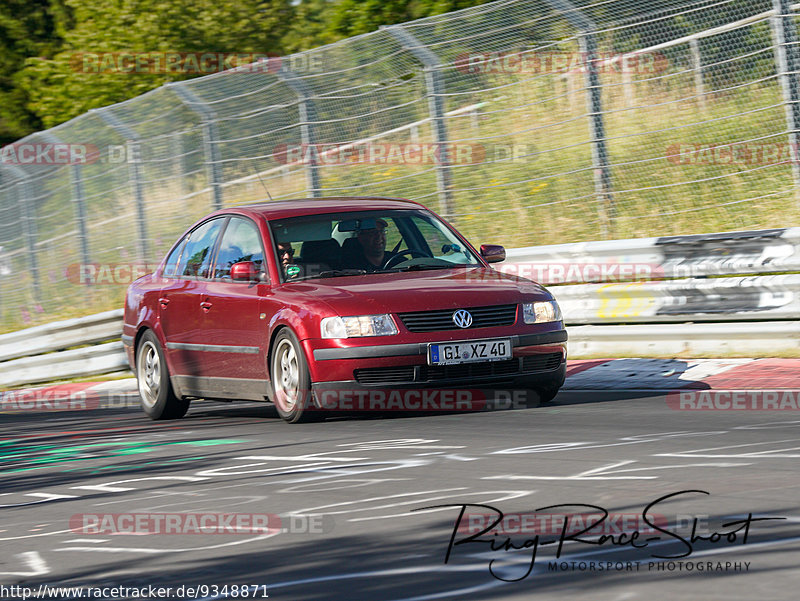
(523,122)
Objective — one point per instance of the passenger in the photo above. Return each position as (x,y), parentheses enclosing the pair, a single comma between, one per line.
(286,256)
(285,253)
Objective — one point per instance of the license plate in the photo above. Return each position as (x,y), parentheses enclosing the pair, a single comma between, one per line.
(469,351)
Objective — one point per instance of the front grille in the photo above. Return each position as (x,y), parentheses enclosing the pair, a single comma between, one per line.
(385,375)
(408,374)
(544,362)
(432,373)
(442,319)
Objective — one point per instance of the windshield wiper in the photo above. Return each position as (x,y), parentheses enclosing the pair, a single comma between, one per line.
(424,266)
(336,273)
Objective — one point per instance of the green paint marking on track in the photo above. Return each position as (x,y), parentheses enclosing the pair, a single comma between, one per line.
(212,442)
(48,454)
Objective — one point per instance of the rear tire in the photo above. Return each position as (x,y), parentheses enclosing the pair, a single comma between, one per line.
(155,390)
(290,379)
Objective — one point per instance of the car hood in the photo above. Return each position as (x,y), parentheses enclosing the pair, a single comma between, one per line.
(419,290)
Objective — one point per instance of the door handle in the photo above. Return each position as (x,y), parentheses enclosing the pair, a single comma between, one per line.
(164,301)
(205,305)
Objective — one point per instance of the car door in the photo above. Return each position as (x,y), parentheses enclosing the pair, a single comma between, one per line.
(234,359)
(180,313)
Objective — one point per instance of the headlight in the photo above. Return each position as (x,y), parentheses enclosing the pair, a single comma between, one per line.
(359,325)
(541,312)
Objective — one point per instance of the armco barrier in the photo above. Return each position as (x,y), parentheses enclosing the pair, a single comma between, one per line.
(726,253)
(697,299)
(60,335)
(75,363)
(755,338)
(741,312)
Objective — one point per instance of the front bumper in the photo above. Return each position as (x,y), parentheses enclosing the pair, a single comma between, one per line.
(539,359)
(415,349)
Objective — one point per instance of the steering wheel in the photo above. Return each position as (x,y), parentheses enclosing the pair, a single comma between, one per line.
(393,260)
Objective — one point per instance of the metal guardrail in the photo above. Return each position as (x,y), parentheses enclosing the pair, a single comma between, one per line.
(76,363)
(697,299)
(685,339)
(741,311)
(60,335)
(700,255)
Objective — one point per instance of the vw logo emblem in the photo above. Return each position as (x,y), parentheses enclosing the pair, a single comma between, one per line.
(462,318)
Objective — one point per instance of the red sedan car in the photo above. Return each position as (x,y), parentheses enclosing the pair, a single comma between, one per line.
(329,303)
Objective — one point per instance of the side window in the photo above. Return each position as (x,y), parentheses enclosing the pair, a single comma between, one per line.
(196,255)
(240,242)
(171,264)
(392,235)
(432,235)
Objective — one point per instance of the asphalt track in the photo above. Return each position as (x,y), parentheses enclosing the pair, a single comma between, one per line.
(357,488)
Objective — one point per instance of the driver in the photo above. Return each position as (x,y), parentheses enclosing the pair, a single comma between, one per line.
(373,245)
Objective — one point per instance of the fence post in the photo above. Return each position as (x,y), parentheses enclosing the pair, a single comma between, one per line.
(27,208)
(210,137)
(435,88)
(135,174)
(627,81)
(79,198)
(697,68)
(784,34)
(587,41)
(308,138)
(177,150)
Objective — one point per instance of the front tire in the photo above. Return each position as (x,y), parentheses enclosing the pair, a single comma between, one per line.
(158,400)
(535,397)
(548,393)
(291,381)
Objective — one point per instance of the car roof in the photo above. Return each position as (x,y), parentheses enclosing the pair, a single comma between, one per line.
(281,209)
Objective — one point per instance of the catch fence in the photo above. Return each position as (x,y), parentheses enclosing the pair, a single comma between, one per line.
(523,122)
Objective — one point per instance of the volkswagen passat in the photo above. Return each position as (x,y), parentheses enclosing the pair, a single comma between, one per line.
(309,303)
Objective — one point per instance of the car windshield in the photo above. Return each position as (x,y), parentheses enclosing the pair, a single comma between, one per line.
(342,244)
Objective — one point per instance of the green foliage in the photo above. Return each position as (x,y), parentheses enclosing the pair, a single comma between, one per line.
(319,22)
(58,88)
(27,29)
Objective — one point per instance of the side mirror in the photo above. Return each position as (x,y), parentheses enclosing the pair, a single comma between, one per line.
(493,253)
(244,271)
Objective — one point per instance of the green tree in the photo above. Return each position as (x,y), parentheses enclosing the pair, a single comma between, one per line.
(323,21)
(27,28)
(62,87)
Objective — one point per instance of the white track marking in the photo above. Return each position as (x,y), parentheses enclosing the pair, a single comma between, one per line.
(781,453)
(620,442)
(25,536)
(320,508)
(35,563)
(508,495)
(109,486)
(339,484)
(601,473)
(152,551)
